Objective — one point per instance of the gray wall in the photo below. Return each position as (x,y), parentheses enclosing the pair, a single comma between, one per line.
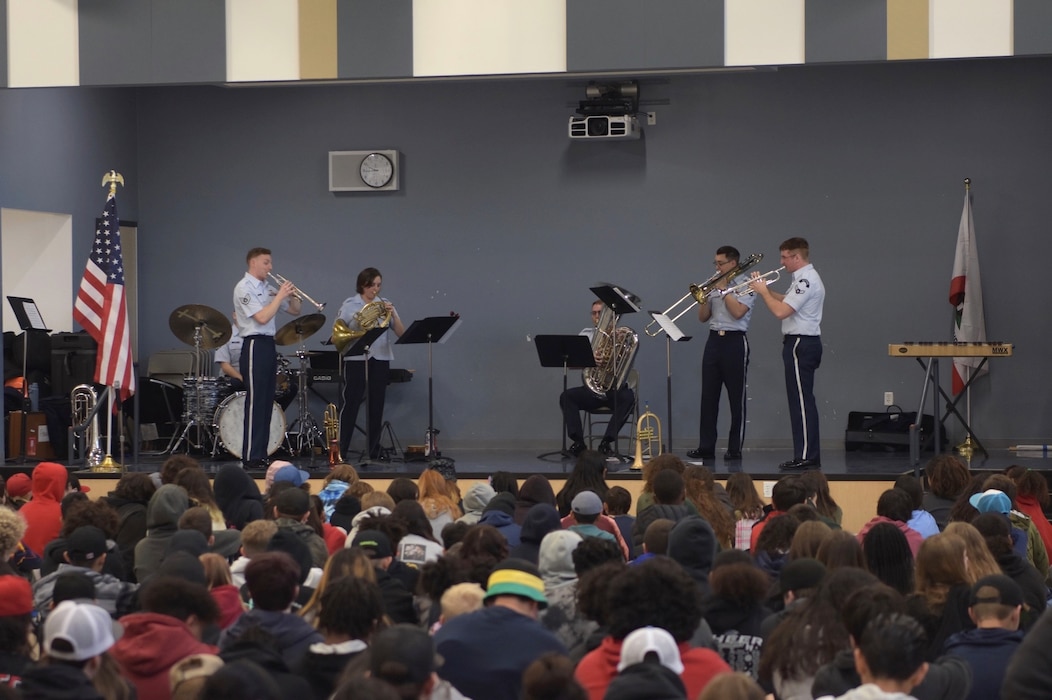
(503,220)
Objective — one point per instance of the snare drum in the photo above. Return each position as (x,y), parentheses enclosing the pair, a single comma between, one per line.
(200,397)
(230,422)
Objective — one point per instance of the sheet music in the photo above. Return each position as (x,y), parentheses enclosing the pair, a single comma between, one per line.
(669,326)
(36,321)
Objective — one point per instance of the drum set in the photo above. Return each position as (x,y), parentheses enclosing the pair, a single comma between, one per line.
(214,410)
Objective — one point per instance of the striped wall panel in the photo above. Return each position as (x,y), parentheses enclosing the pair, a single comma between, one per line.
(908,35)
(42,43)
(838,31)
(189,41)
(1032,27)
(3,43)
(375,38)
(488,37)
(115,42)
(625,34)
(262,40)
(764,32)
(317,39)
(967,28)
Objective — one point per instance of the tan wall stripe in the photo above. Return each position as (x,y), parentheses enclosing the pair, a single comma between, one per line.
(318,39)
(907,29)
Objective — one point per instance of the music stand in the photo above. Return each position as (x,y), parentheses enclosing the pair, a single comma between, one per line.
(672,335)
(622,302)
(29,319)
(568,352)
(431,330)
(362,346)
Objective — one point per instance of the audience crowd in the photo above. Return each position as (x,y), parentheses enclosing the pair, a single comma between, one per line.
(179,586)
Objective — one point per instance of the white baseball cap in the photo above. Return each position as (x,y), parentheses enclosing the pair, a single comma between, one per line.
(646,640)
(78,631)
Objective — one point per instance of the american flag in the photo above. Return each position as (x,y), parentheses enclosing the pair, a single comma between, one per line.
(101,307)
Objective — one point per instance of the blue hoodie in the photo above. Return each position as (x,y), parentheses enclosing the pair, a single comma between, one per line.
(988,652)
(505,523)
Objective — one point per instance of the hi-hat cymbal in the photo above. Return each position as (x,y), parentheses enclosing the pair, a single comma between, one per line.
(298,329)
(215,327)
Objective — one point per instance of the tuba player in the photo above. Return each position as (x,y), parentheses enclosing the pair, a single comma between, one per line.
(580,398)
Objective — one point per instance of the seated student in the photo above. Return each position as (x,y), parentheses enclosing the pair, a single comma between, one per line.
(787,492)
(618,503)
(995,606)
(254,540)
(995,531)
(649,668)
(669,504)
(655,540)
(602,522)
(86,553)
(586,508)
(76,637)
(921,520)
(890,659)
(398,600)
(894,506)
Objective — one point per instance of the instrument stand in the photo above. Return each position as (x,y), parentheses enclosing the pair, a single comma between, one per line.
(394,452)
(568,352)
(672,334)
(931,377)
(309,434)
(361,347)
(431,330)
(196,420)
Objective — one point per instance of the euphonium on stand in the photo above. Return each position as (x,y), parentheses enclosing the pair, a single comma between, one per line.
(648,432)
(83,399)
(332,434)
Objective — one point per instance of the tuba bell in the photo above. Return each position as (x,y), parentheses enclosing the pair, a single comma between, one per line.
(83,399)
(375,314)
(615,349)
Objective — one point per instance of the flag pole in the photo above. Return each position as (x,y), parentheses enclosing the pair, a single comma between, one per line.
(967,448)
(108,464)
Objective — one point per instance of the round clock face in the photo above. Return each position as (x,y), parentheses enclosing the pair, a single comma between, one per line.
(376,170)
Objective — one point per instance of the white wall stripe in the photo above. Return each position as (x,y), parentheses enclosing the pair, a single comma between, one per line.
(262,40)
(763,32)
(964,28)
(43,43)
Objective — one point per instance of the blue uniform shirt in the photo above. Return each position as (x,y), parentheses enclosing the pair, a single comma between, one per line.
(722,319)
(250,296)
(381,348)
(231,352)
(806,295)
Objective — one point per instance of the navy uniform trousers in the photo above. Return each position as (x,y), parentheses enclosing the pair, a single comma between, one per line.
(802,354)
(724,363)
(259,367)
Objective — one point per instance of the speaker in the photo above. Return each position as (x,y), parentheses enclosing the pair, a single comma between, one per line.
(72,361)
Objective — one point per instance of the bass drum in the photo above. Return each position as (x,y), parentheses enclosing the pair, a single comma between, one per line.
(230,422)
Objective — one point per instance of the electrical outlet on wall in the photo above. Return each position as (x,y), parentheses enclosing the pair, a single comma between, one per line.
(889,398)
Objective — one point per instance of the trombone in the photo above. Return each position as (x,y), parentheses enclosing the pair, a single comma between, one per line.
(702,292)
(296,291)
(743,289)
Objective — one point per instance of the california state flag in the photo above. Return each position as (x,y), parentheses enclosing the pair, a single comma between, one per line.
(966,295)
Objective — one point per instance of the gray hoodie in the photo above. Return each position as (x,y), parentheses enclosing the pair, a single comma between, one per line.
(475,501)
(166,506)
(562,617)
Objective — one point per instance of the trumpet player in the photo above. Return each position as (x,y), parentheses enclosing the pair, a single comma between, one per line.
(800,310)
(256,304)
(380,355)
(228,359)
(725,361)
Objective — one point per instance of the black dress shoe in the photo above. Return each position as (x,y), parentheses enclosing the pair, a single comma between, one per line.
(800,465)
(701,454)
(606,449)
(575,449)
(732,456)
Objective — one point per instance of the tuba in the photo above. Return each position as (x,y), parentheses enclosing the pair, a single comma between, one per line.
(614,348)
(373,315)
(83,399)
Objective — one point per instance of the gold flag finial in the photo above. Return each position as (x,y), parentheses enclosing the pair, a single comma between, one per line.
(113,178)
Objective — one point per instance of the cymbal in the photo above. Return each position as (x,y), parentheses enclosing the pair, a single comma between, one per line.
(215,327)
(296,330)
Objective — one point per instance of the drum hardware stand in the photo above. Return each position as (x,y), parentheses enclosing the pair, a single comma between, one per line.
(309,434)
(195,418)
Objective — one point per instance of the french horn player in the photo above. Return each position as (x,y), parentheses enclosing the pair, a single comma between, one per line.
(605,385)
(362,312)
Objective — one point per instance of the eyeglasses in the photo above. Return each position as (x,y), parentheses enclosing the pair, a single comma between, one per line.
(718,263)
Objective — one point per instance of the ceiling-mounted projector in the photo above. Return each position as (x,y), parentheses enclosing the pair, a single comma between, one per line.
(604,126)
(608,112)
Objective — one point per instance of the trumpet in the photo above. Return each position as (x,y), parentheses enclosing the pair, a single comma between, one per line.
(702,292)
(296,291)
(743,289)
(332,434)
(648,432)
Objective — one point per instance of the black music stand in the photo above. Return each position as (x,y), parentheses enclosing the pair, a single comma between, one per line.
(29,319)
(431,330)
(622,302)
(360,347)
(672,335)
(568,352)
